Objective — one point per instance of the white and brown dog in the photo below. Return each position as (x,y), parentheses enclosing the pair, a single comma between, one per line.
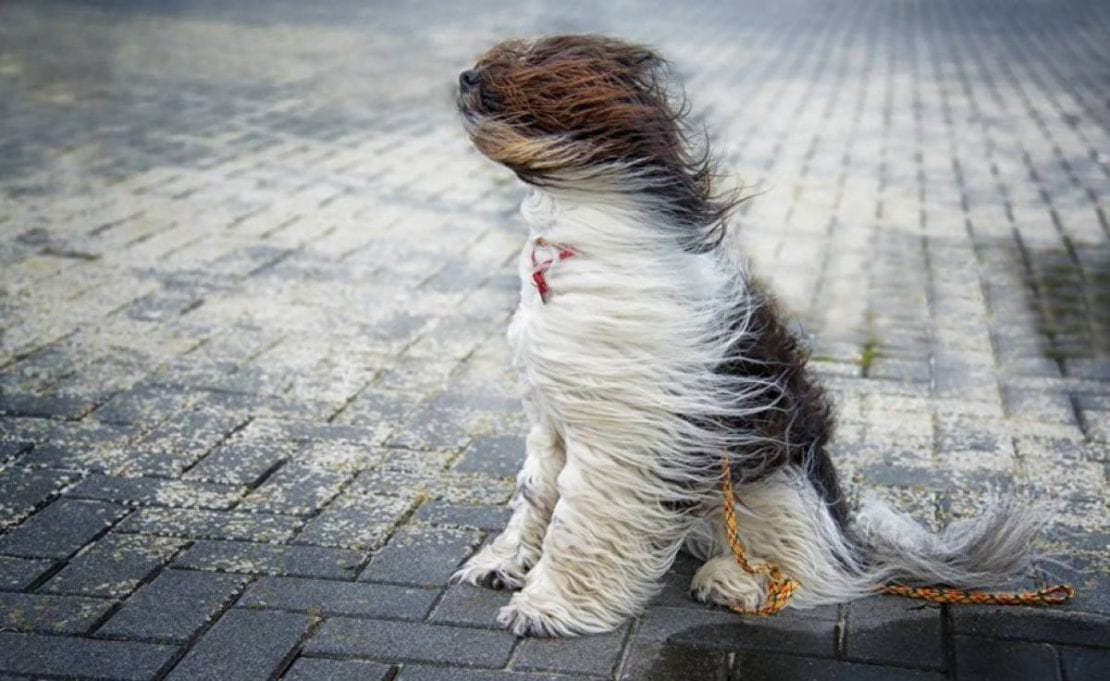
(646,352)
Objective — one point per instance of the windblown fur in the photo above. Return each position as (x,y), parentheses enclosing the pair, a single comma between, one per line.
(651,356)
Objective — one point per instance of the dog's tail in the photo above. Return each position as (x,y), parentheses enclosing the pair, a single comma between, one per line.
(986,551)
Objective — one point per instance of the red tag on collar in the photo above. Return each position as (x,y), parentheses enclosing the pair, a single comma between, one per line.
(540,267)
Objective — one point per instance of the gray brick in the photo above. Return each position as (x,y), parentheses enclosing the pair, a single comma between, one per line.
(764,667)
(68,657)
(355,521)
(981,659)
(1031,624)
(199,524)
(113,566)
(60,529)
(243,644)
(295,489)
(491,518)
(1085,664)
(19,573)
(320,669)
(25,488)
(173,606)
(54,614)
(722,629)
(404,641)
(470,605)
(500,455)
(421,556)
(888,630)
(655,662)
(156,491)
(597,654)
(339,598)
(415,672)
(266,559)
(242,461)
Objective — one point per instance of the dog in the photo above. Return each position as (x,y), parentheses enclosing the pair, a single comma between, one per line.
(647,353)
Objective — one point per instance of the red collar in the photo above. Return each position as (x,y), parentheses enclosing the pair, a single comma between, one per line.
(540,267)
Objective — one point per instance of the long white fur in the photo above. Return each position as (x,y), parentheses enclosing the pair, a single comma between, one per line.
(616,479)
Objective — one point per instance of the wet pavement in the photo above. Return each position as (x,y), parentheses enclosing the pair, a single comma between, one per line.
(255,401)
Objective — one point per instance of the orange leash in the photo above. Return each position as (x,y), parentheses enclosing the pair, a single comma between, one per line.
(780,587)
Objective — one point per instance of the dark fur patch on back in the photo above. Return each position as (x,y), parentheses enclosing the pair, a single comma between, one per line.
(796,430)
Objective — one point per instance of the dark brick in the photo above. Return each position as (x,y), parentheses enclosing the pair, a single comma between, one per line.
(268,559)
(242,461)
(19,573)
(467,604)
(173,606)
(500,455)
(25,488)
(355,521)
(142,403)
(404,641)
(339,598)
(113,566)
(984,659)
(595,655)
(655,662)
(156,492)
(490,518)
(60,529)
(320,669)
(69,657)
(10,449)
(295,489)
(1085,664)
(54,614)
(198,524)
(763,667)
(1052,625)
(415,672)
(888,630)
(243,644)
(421,556)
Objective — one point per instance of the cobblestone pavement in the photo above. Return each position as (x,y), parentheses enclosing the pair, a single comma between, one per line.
(255,396)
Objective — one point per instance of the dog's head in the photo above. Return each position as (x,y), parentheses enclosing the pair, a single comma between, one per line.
(569,103)
(583,110)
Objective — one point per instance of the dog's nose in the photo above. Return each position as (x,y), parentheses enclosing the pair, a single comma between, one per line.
(468,79)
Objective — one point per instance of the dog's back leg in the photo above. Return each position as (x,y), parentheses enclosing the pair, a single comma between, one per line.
(504,562)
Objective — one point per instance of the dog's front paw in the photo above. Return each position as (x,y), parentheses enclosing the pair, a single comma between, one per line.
(721,581)
(492,569)
(537,612)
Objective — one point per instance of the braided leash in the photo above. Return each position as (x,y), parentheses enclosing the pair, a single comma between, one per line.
(780,587)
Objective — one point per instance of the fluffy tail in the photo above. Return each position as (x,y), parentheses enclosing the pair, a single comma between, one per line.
(977,553)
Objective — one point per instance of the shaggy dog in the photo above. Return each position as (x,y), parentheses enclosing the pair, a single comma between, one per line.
(647,353)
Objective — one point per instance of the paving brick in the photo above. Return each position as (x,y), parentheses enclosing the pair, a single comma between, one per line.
(26,488)
(411,672)
(1032,624)
(765,667)
(60,529)
(656,662)
(403,641)
(242,461)
(490,518)
(19,573)
(421,556)
(320,669)
(113,566)
(471,605)
(267,559)
(200,524)
(981,659)
(173,606)
(597,655)
(356,521)
(499,455)
(243,644)
(156,491)
(53,614)
(69,657)
(339,598)
(1085,664)
(888,630)
(295,489)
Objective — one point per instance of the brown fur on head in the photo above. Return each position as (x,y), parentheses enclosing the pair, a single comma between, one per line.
(572,109)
